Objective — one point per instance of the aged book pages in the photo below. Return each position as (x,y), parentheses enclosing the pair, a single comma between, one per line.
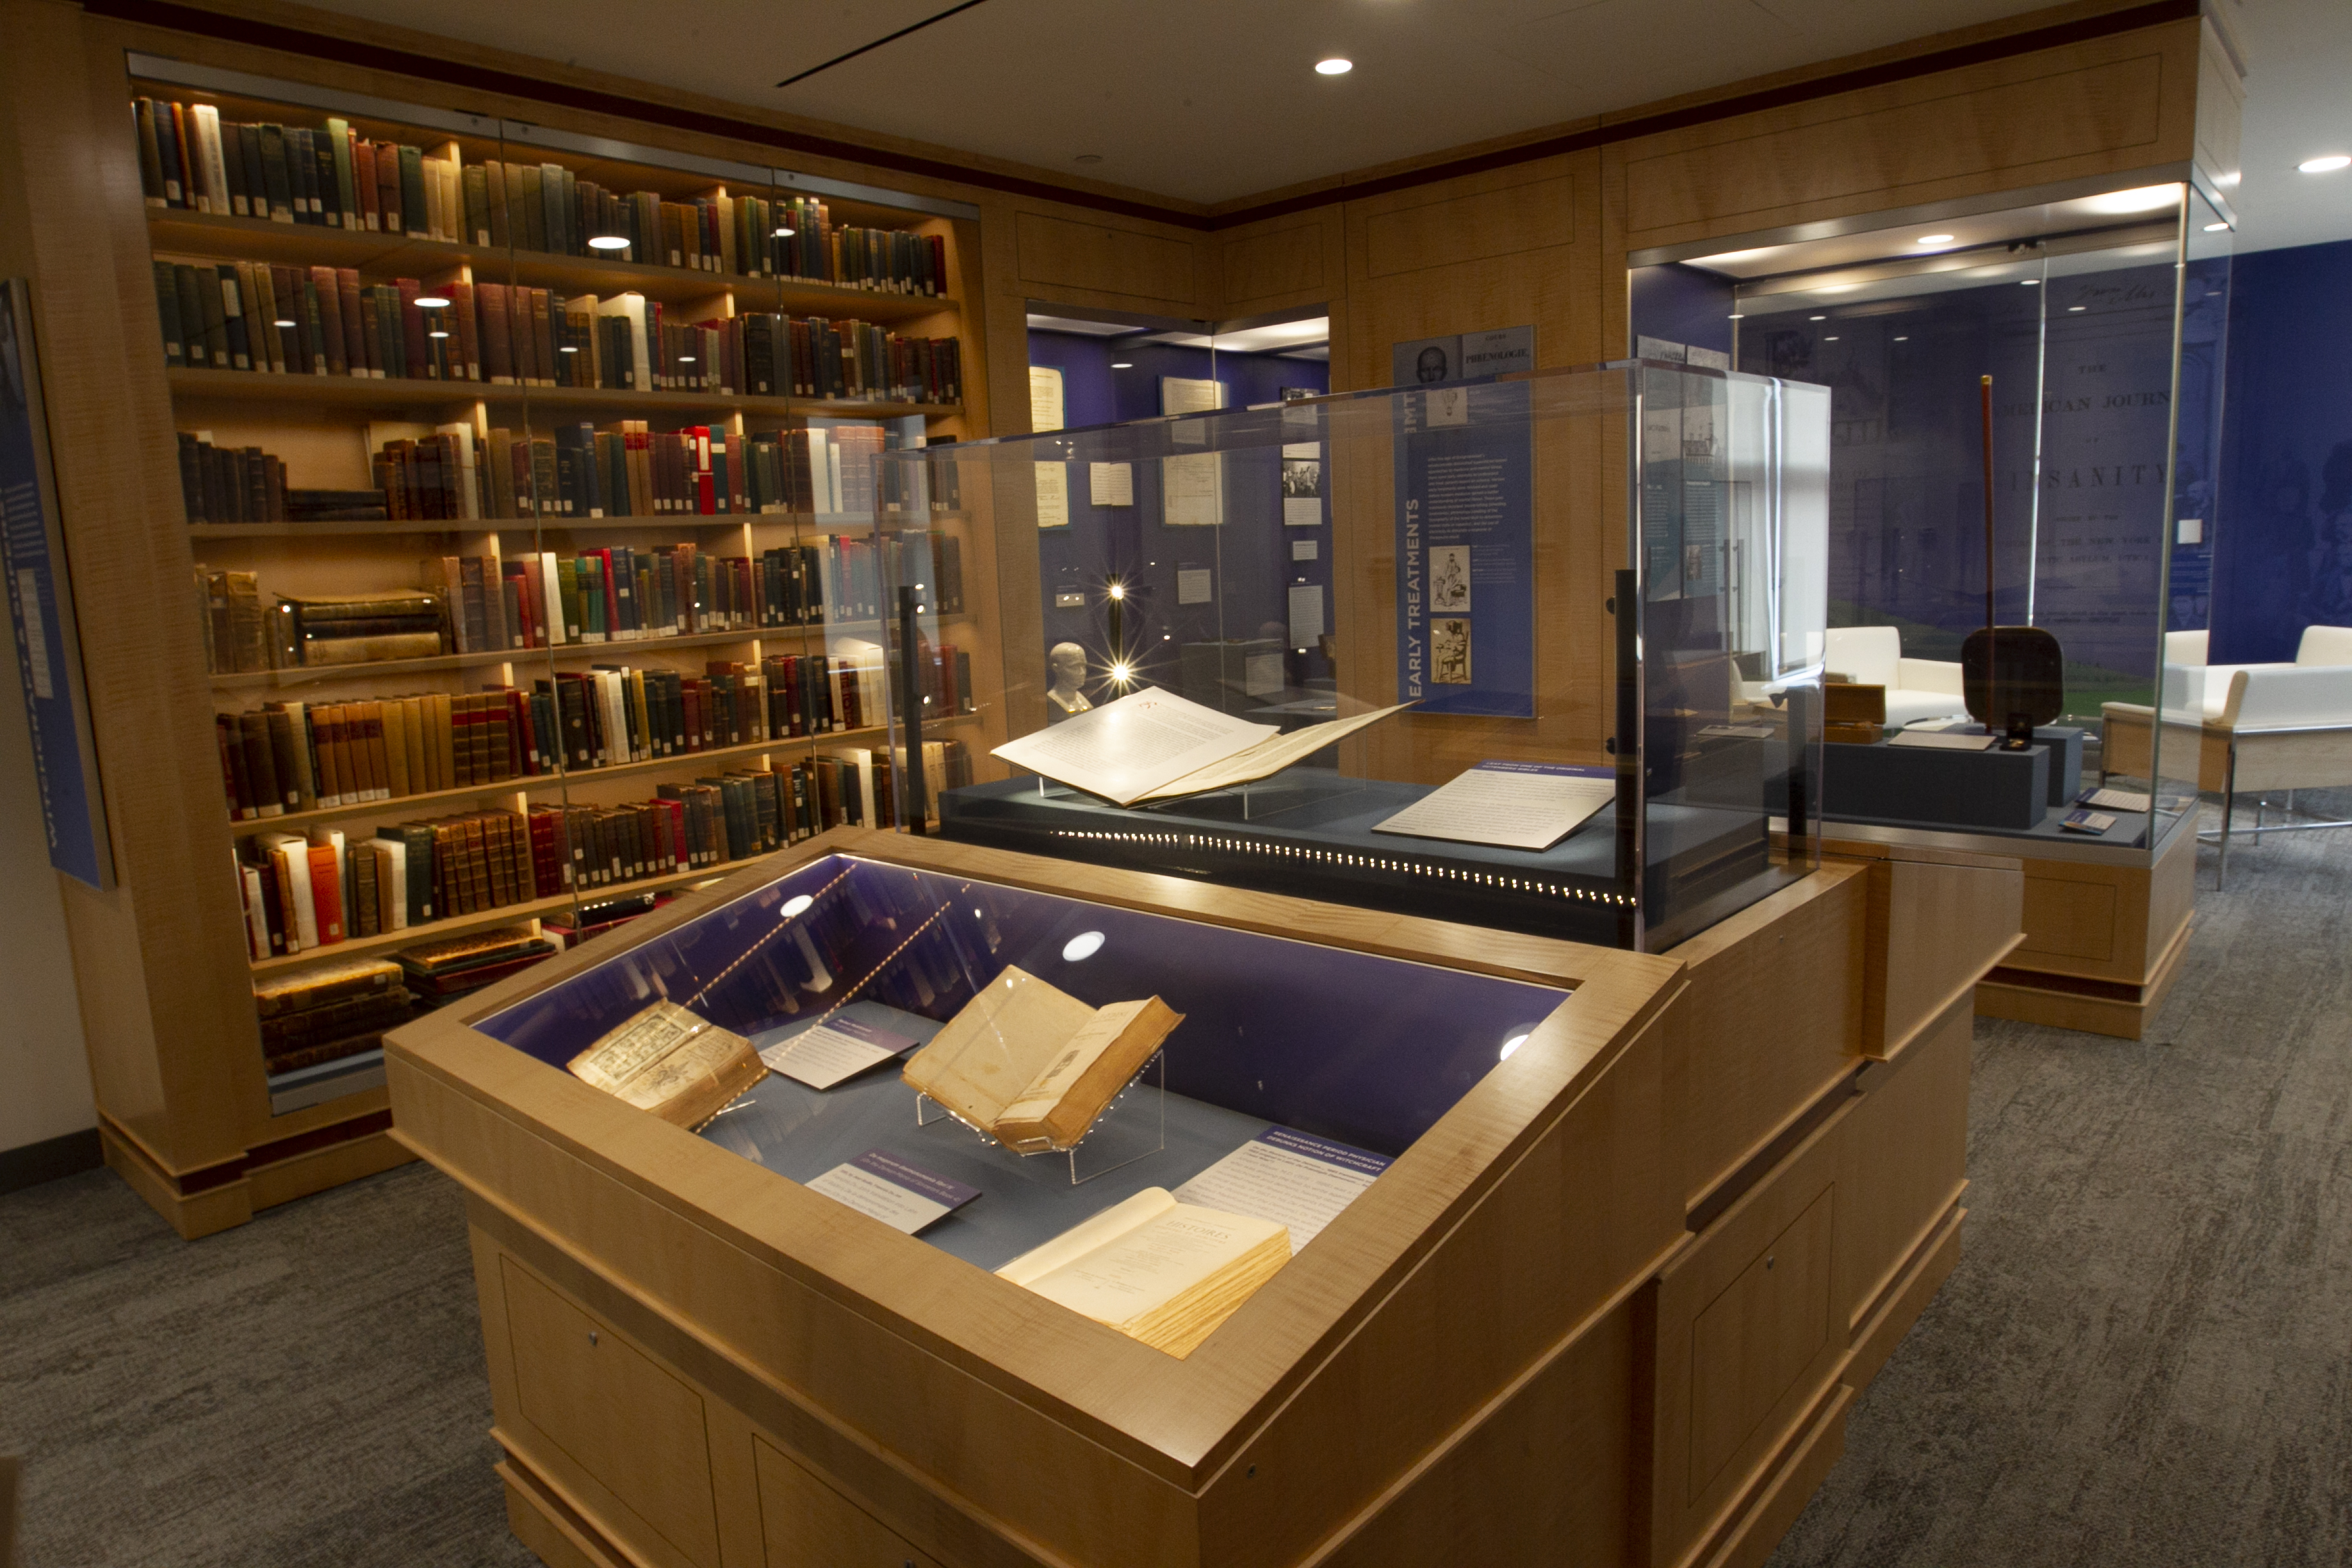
(1032,1064)
(673,1063)
(1155,1269)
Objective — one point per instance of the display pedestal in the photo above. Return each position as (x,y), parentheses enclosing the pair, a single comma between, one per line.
(1908,786)
(695,1360)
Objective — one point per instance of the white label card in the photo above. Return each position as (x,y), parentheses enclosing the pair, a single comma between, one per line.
(1111,484)
(1192,585)
(1295,1178)
(1305,549)
(1306,614)
(902,1197)
(825,1054)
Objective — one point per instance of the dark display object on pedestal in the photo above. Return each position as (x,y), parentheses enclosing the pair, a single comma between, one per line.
(2014,678)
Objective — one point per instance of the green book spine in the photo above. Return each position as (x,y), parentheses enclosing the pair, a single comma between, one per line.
(339,132)
(412,192)
(150,154)
(273,177)
(567,586)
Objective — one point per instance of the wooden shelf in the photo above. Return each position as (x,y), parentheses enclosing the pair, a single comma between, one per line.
(567,653)
(506,914)
(384,255)
(369,392)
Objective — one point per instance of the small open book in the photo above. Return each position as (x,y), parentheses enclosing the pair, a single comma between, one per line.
(1155,1269)
(670,1061)
(1032,1066)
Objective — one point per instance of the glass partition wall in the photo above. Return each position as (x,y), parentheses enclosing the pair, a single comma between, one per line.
(2100,319)
(1566,660)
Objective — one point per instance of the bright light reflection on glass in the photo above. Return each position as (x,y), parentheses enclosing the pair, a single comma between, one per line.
(1081,947)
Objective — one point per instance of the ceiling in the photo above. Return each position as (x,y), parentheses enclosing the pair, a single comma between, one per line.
(2298,106)
(1210,100)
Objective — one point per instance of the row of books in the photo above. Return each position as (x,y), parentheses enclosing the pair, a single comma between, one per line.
(330,176)
(246,484)
(631,470)
(286,757)
(303,892)
(327,320)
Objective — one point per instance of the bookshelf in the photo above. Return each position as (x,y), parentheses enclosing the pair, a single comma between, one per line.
(327,430)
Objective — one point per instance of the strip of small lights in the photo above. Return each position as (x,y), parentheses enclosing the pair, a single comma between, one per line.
(1338,858)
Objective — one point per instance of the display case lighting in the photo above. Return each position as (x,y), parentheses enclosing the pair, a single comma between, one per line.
(1335,66)
(2325,164)
(607,242)
(430,303)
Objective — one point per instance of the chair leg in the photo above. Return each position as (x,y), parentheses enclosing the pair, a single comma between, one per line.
(2229,809)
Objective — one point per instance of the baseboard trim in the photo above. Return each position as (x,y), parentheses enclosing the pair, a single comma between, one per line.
(68,1154)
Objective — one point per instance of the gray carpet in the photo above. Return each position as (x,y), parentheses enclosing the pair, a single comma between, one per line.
(2145,1356)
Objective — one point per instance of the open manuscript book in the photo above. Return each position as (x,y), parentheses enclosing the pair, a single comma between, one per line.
(1032,1066)
(1155,745)
(1155,1269)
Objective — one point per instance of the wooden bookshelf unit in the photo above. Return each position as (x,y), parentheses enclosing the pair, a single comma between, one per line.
(204,1130)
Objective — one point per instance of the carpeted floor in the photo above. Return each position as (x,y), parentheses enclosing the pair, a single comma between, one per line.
(2143,1358)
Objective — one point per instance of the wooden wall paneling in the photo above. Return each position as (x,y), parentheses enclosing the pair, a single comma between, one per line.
(1280,263)
(2106,106)
(1090,260)
(2221,101)
(157,956)
(1774,1022)
(1721,1421)
(1939,920)
(1514,247)
(1905,1161)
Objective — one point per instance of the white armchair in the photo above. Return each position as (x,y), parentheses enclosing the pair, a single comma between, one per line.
(1915,688)
(2249,726)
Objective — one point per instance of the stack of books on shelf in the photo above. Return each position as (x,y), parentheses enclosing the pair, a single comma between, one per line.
(329,1012)
(327,320)
(439,973)
(330,176)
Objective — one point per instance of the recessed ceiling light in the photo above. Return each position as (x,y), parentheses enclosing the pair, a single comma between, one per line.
(1831,339)
(1122,365)
(1738,316)
(1335,66)
(2146,198)
(2030,283)
(430,301)
(2327,165)
(607,242)
(1904,338)
(2215,227)
(1935,239)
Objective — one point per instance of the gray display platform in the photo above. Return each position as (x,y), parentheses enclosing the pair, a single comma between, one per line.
(2005,791)
(801,1133)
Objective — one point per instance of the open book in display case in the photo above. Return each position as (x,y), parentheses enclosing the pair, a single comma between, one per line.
(1537,651)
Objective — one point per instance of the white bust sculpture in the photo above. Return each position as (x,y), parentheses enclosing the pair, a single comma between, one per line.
(1067,663)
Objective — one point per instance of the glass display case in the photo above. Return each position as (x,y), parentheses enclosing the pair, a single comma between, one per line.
(2098,319)
(1351,1055)
(1561,628)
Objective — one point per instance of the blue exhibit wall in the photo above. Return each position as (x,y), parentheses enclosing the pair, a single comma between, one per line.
(1683,305)
(2283,542)
(1094,394)
(1250,565)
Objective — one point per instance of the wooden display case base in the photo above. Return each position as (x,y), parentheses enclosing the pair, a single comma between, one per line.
(2094,1007)
(222,1196)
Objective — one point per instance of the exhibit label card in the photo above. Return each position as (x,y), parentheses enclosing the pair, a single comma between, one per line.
(1514,805)
(840,1049)
(1294,1177)
(902,1197)
(1941,741)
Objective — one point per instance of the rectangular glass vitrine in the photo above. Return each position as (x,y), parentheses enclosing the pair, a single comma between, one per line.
(1607,580)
